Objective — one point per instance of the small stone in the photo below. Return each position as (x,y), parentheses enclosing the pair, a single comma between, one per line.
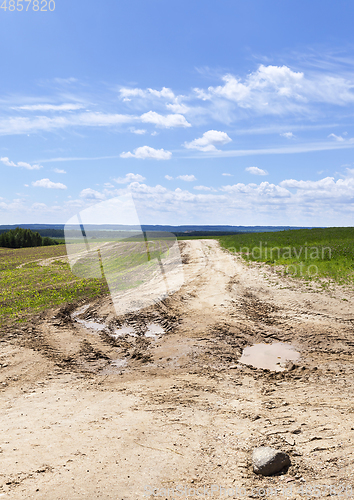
(268,461)
(290,440)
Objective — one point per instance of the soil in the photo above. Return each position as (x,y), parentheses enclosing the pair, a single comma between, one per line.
(89,413)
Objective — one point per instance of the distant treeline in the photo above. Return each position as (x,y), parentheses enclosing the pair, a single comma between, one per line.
(53,233)
(204,233)
(21,238)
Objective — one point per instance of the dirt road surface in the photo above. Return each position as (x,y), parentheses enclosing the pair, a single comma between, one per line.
(95,406)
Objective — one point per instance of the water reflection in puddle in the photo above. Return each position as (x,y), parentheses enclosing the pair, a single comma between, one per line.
(124,330)
(80,311)
(269,356)
(154,330)
(92,325)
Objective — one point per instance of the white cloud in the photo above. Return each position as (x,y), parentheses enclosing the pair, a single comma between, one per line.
(91,194)
(168,177)
(46,183)
(204,188)
(256,171)
(337,137)
(126,93)
(5,160)
(25,125)
(187,178)
(129,178)
(295,148)
(178,108)
(165,121)
(263,190)
(41,207)
(52,107)
(288,135)
(137,131)
(208,141)
(59,171)
(291,202)
(324,189)
(147,152)
(278,89)
(227,175)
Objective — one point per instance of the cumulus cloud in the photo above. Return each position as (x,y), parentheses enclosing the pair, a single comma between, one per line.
(291,202)
(168,177)
(256,171)
(46,183)
(164,121)
(147,152)
(41,207)
(264,189)
(137,131)
(187,178)
(126,93)
(178,108)
(208,141)
(129,178)
(278,89)
(91,194)
(227,175)
(59,171)
(5,160)
(288,135)
(51,107)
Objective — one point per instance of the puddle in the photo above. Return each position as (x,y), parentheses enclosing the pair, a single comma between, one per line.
(119,363)
(269,356)
(124,330)
(154,330)
(92,325)
(80,311)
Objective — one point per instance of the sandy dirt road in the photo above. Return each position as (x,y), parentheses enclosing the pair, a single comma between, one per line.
(89,415)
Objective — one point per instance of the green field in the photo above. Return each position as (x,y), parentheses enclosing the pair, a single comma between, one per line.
(311,254)
(27,288)
(32,288)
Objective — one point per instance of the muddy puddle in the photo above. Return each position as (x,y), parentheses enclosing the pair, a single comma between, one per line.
(80,311)
(92,325)
(124,330)
(269,356)
(154,330)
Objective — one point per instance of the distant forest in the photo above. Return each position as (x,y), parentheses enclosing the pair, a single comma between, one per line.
(54,233)
(21,238)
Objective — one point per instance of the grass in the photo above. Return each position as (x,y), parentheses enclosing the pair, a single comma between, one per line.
(311,254)
(27,288)
(32,288)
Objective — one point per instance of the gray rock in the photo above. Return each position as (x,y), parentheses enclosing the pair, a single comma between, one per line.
(268,461)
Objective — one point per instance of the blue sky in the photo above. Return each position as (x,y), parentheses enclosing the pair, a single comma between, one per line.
(214,112)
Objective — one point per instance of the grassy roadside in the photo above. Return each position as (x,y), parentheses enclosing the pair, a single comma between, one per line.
(28,288)
(311,254)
